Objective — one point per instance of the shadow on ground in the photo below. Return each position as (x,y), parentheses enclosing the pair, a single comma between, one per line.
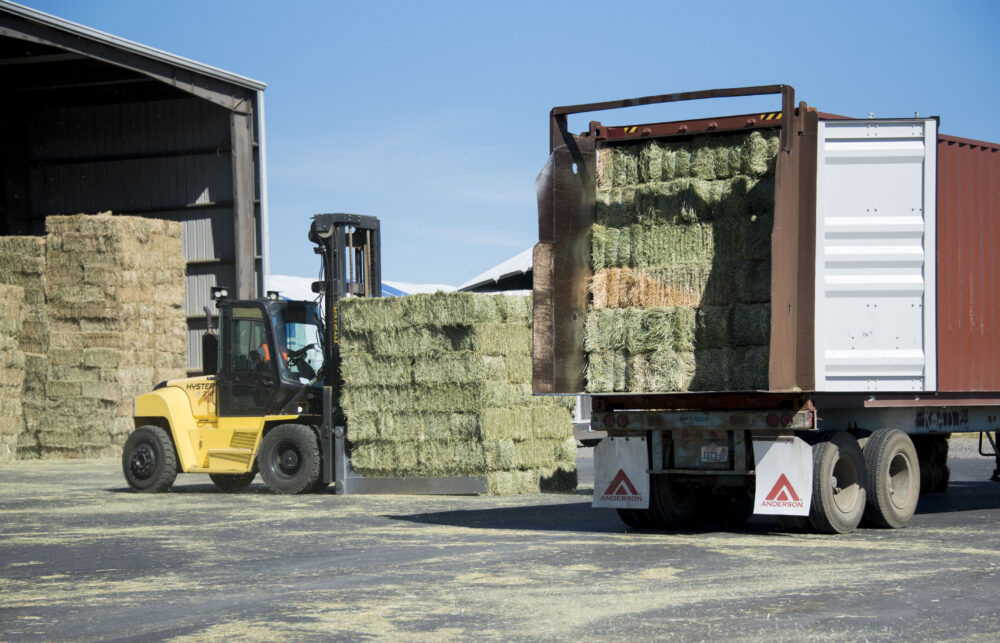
(962,496)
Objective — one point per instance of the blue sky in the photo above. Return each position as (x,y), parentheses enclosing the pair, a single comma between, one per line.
(433,116)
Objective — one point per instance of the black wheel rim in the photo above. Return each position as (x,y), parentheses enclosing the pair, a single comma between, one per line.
(143,462)
(287,460)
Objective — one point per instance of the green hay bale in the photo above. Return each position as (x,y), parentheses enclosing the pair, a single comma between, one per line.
(650,162)
(625,166)
(681,158)
(663,370)
(412,342)
(712,325)
(412,427)
(455,398)
(703,158)
(435,310)
(637,330)
(748,369)
(511,483)
(750,325)
(531,423)
(759,153)
(668,245)
(463,367)
(510,455)
(549,480)
(404,342)
(364,369)
(501,339)
(711,370)
(607,371)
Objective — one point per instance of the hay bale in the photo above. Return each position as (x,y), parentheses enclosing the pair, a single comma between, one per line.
(11,371)
(695,237)
(440,385)
(114,289)
(22,263)
(549,480)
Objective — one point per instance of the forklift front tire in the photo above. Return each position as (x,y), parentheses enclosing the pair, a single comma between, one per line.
(149,461)
(290,459)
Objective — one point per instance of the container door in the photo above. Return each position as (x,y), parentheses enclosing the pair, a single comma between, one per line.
(875,323)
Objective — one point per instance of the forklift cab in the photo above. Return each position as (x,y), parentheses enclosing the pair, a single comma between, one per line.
(268,350)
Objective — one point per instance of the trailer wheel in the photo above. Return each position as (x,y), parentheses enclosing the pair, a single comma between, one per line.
(838,496)
(289,459)
(893,474)
(672,503)
(149,460)
(635,518)
(232,482)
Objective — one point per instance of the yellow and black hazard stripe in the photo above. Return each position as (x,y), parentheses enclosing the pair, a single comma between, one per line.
(772,116)
(630,129)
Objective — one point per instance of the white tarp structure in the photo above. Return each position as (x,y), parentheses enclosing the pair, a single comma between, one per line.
(518,265)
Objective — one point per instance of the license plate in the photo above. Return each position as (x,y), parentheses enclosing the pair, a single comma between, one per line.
(715,454)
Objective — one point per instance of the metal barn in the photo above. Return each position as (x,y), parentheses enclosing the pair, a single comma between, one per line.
(92,122)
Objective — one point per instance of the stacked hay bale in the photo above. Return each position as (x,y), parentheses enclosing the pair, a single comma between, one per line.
(22,263)
(115,292)
(440,385)
(11,371)
(681,249)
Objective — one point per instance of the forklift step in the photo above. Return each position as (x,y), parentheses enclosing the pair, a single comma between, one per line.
(224,457)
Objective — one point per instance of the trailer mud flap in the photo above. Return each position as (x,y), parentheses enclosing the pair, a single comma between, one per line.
(784,476)
(621,473)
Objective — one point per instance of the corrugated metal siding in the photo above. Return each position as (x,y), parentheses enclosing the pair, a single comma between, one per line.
(170,159)
(134,128)
(968,318)
(200,280)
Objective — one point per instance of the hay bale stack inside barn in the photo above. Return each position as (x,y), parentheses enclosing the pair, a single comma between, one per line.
(22,263)
(681,250)
(440,385)
(115,292)
(11,370)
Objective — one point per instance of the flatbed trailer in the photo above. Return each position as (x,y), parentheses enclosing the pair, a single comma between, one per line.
(881,324)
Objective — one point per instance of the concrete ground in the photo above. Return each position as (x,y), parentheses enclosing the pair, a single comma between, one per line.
(83,558)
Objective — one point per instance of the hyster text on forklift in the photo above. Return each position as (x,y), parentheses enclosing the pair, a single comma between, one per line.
(882,318)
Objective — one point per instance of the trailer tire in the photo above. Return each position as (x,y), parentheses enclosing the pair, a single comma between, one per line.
(893,473)
(149,460)
(838,494)
(289,459)
(232,482)
(635,518)
(672,503)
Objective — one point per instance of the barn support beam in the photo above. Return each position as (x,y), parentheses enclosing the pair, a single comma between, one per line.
(241,126)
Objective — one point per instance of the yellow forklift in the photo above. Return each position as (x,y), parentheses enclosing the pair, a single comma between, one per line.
(268,401)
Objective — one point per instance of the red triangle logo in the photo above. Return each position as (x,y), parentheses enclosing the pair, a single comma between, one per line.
(783,490)
(621,486)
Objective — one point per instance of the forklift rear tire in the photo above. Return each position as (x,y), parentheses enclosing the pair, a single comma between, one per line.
(289,459)
(232,482)
(149,460)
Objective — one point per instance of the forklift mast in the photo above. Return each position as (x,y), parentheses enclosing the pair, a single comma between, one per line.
(352,267)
